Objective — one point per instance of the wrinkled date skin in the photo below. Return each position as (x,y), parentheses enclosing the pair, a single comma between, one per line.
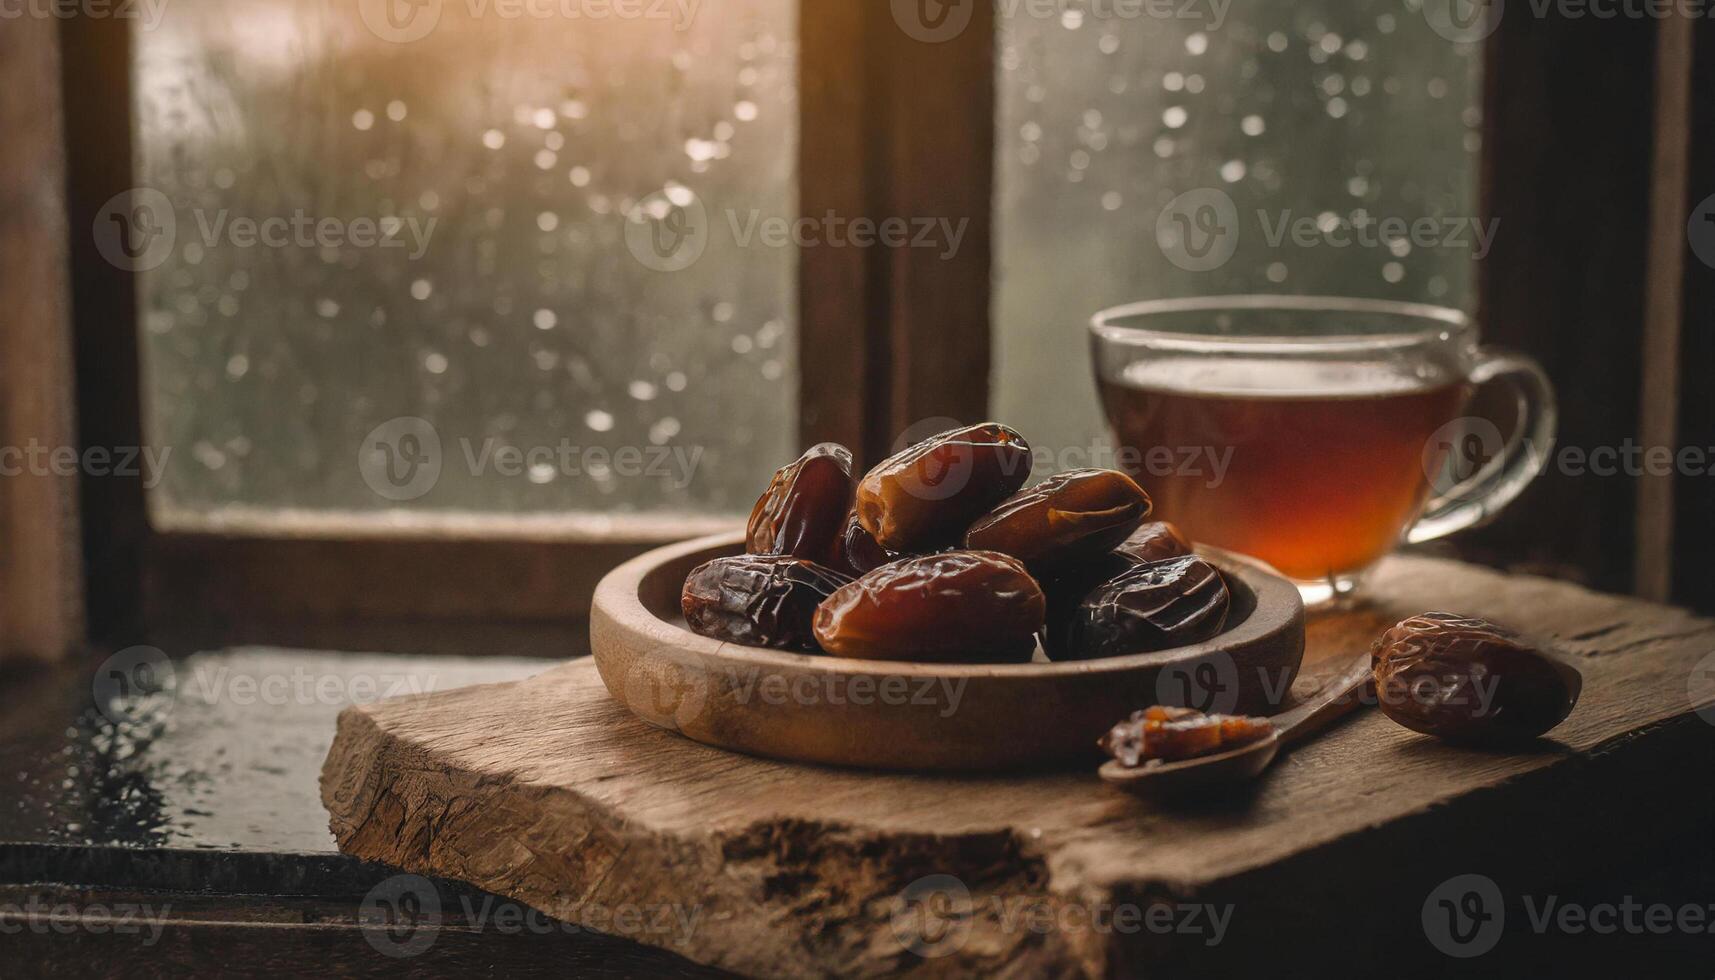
(1155,606)
(759,600)
(1468,680)
(860,552)
(1068,518)
(803,511)
(1156,541)
(956,607)
(928,496)
(1068,590)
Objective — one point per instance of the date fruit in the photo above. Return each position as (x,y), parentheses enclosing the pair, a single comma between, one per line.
(1065,520)
(955,607)
(758,600)
(1469,680)
(803,511)
(1155,606)
(1156,541)
(1068,590)
(928,495)
(860,552)
(1170,734)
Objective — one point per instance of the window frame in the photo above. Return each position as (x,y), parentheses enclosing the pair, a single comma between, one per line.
(41,600)
(1586,296)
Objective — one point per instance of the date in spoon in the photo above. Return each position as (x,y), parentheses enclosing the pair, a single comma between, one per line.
(1340,695)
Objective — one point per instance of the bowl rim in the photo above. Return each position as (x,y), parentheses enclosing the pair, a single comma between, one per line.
(618,600)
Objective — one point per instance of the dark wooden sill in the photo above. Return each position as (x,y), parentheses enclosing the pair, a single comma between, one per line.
(199,823)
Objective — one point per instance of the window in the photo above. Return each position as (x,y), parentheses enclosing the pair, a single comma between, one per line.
(415,248)
(1304,140)
(1054,136)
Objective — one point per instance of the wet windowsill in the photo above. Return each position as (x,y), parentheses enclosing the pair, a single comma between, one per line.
(210,785)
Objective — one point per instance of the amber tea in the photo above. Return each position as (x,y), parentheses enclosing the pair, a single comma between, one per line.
(1325,415)
(1324,461)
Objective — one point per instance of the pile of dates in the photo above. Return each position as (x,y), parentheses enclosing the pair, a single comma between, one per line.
(941,554)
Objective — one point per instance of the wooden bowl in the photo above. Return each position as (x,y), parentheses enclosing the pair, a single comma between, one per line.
(911,716)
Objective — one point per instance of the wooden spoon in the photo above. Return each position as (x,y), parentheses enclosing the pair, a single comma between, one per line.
(1334,700)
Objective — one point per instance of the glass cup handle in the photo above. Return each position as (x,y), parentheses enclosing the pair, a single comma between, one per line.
(1510,468)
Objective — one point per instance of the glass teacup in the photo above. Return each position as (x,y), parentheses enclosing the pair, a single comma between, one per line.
(1336,427)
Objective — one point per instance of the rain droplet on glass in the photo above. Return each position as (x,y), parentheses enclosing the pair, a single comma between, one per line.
(665,428)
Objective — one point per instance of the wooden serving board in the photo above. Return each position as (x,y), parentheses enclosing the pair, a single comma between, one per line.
(548,791)
(873,714)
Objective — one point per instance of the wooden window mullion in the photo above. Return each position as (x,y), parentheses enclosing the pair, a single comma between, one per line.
(894,127)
